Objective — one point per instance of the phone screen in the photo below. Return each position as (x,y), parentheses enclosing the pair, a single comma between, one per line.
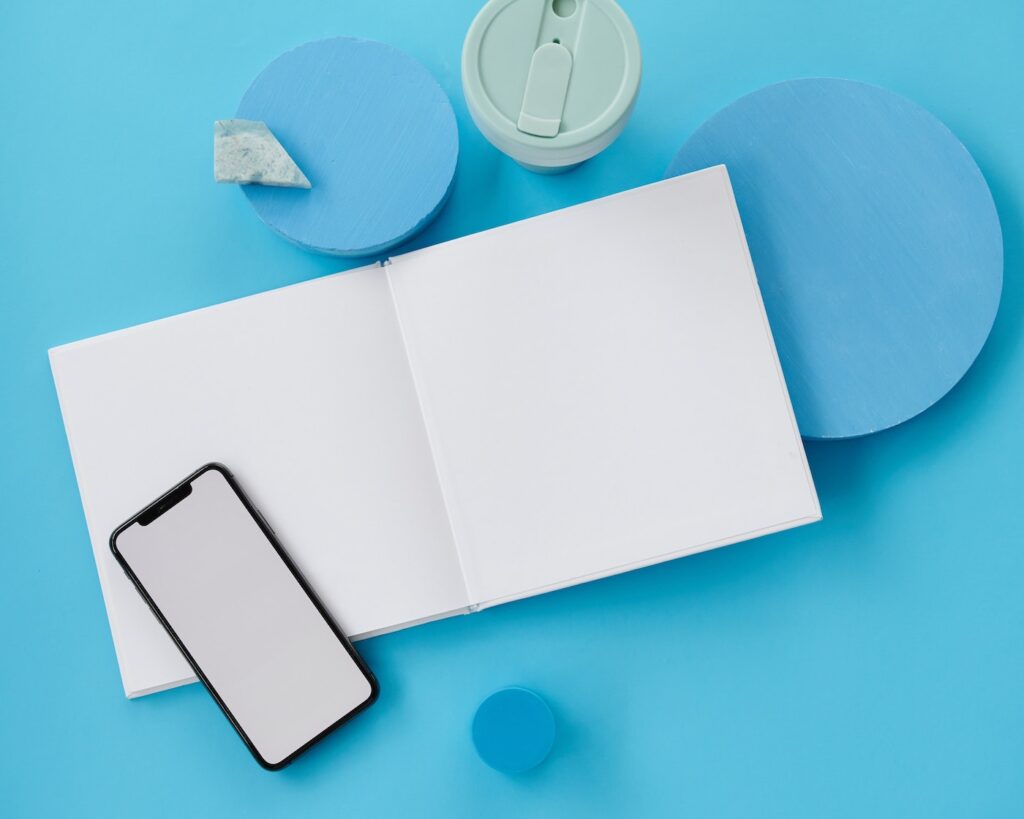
(281,671)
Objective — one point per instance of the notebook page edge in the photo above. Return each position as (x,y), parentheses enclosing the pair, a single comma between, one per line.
(132,328)
(579,206)
(749,262)
(653,561)
(55,354)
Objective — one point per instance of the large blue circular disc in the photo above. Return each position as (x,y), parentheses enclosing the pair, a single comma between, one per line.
(373,132)
(513,730)
(875,240)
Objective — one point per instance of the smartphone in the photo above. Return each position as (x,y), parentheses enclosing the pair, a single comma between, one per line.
(216,577)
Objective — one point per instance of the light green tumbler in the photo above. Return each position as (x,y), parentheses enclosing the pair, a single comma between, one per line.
(551,83)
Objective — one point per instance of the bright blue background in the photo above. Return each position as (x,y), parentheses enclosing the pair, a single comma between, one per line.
(867,665)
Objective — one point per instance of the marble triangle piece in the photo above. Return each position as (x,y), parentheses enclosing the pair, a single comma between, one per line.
(246,152)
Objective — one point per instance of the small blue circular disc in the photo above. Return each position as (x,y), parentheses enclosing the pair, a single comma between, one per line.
(513,730)
(876,243)
(372,131)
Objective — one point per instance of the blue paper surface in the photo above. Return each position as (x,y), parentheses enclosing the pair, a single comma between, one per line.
(869,665)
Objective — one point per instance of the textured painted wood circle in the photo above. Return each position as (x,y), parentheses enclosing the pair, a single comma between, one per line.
(513,730)
(371,129)
(876,243)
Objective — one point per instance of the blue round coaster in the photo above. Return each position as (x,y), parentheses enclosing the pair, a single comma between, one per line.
(513,730)
(373,132)
(875,240)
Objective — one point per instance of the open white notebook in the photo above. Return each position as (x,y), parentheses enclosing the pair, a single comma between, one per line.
(531,407)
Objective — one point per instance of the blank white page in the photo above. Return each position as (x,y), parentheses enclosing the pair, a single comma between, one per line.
(305,394)
(601,388)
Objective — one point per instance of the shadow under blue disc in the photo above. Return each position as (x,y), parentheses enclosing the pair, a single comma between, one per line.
(371,129)
(876,244)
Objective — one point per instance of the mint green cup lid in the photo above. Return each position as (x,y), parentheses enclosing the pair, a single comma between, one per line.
(551,82)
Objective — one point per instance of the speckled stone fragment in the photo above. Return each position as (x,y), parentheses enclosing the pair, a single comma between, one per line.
(246,152)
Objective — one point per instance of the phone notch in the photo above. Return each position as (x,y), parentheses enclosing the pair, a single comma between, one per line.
(172,498)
